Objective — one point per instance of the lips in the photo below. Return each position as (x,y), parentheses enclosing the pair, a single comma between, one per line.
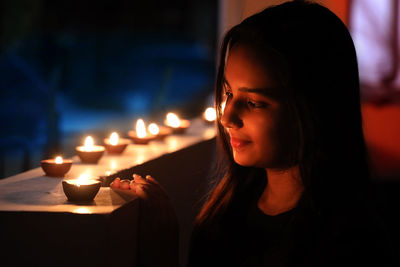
(239,143)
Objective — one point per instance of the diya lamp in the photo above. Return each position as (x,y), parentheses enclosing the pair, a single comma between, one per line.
(159,131)
(89,153)
(57,167)
(115,145)
(177,125)
(140,135)
(210,115)
(82,189)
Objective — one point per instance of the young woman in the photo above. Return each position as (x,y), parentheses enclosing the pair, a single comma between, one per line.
(293,188)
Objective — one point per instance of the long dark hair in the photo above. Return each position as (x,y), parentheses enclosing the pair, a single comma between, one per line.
(319,66)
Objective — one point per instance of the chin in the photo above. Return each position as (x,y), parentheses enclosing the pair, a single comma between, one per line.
(244,161)
(251,161)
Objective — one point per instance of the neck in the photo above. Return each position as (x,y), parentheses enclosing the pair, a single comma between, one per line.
(282,192)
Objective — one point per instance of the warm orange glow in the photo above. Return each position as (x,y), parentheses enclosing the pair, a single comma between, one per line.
(223,104)
(114,139)
(173,120)
(82,210)
(140,129)
(59,160)
(154,129)
(82,179)
(89,144)
(210,114)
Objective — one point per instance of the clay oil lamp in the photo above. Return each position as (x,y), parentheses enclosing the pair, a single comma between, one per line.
(116,145)
(89,153)
(140,135)
(210,115)
(57,167)
(159,131)
(177,125)
(82,189)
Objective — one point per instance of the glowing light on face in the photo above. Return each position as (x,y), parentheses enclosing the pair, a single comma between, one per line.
(223,104)
(114,139)
(173,120)
(59,160)
(140,129)
(89,144)
(154,129)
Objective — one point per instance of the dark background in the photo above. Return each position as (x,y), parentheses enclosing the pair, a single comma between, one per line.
(73,68)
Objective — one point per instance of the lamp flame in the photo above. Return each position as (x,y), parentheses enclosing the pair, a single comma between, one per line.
(154,129)
(114,138)
(173,120)
(89,143)
(210,114)
(140,129)
(59,160)
(82,179)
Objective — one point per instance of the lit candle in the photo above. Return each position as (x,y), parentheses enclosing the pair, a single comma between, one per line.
(154,129)
(81,189)
(140,135)
(210,115)
(177,125)
(115,145)
(89,153)
(160,131)
(57,167)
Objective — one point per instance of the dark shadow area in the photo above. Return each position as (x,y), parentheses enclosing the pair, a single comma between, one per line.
(185,175)
(69,67)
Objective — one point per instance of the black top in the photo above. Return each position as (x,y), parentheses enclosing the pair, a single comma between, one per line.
(268,233)
(245,236)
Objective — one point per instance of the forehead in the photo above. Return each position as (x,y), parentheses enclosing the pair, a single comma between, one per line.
(245,67)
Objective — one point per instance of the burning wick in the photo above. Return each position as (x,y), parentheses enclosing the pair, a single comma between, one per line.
(173,120)
(140,129)
(114,139)
(59,160)
(89,144)
(154,129)
(210,114)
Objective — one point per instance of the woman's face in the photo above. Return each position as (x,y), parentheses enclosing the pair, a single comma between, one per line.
(255,115)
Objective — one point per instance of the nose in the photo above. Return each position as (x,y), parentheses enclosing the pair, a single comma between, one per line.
(230,116)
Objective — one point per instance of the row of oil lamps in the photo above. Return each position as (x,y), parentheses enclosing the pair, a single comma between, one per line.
(77,190)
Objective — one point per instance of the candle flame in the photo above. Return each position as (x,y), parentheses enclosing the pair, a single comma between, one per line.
(59,160)
(140,129)
(89,143)
(82,179)
(173,120)
(153,129)
(210,114)
(114,138)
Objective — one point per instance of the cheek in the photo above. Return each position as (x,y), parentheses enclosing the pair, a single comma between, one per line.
(273,139)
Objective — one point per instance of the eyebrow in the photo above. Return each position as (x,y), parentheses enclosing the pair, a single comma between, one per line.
(266,91)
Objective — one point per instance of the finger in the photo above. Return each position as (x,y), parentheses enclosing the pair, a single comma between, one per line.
(125,184)
(151,179)
(132,185)
(139,179)
(116,183)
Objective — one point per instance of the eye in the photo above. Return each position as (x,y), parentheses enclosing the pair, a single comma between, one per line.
(228,94)
(255,104)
